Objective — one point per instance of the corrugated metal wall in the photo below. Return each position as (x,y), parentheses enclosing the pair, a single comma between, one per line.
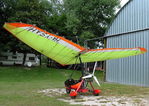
(133,16)
(132,70)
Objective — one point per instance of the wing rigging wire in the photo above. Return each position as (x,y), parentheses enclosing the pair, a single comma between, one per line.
(78,55)
(74,68)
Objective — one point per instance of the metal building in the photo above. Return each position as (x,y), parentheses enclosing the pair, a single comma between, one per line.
(129,29)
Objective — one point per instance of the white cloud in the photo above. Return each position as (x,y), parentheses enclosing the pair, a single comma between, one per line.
(123,2)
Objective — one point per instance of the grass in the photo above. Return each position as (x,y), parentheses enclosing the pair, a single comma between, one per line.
(110,89)
(19,86)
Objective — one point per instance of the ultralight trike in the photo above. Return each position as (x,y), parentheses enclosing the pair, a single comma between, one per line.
(73,87)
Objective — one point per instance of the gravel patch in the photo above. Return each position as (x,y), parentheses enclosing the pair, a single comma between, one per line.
(90,100)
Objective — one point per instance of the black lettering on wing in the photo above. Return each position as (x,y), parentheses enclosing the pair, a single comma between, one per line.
(56,39)
(40,33)
(30,29)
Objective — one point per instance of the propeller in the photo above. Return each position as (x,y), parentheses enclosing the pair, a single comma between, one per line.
(92,75)
(95,78)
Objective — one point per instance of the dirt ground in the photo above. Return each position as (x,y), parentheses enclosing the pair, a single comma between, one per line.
(90,100)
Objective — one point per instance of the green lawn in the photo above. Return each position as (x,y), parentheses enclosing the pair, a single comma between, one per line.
(19,86)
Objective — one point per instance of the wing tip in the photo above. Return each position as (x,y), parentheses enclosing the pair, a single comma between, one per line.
(143,50)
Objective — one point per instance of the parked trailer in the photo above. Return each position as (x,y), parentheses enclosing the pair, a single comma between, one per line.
(9,58)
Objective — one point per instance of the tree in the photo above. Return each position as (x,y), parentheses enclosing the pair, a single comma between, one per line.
(32,12)
(69,18)
(89,16)
(26,11)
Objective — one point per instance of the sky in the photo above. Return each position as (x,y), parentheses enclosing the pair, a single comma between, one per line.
(123,2)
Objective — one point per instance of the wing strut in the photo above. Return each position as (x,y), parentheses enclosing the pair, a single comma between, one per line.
(82,65)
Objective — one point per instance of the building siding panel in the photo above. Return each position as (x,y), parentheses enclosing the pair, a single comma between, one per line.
(133,16)
(132,70)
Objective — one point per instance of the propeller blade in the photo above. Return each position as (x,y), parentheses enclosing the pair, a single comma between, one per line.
(88,76)
(94,67)
(95,78)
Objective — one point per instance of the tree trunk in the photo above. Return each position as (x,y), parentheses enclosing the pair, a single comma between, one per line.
(40,59)
(24,58)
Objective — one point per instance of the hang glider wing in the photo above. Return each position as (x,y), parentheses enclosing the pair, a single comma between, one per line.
(53,46)
(62,50)
(110,53)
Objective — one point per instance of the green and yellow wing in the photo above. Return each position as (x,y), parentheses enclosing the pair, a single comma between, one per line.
(110,53)
(53,46)
(62,50)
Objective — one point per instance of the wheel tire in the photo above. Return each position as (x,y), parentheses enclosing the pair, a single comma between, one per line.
(96,94)
(68,91)
(73,94)
(73,97)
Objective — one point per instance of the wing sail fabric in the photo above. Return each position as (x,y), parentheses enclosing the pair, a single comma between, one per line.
(110,53)
(53,46)
(62,50)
